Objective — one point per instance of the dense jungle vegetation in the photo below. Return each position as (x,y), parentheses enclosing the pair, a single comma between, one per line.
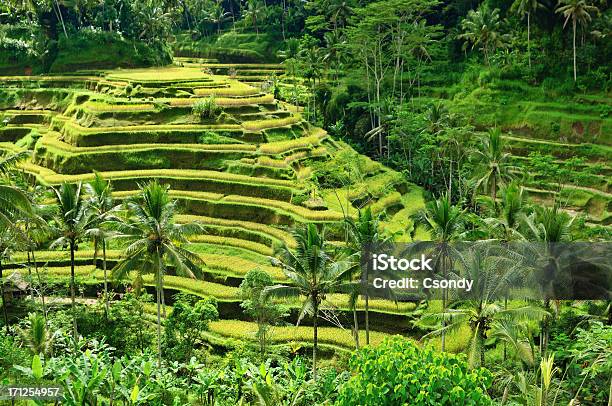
(187,188)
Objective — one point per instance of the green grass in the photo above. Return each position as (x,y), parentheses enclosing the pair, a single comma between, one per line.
(326,335)
(224,101)
(281,147)
(164,74)
(248,225)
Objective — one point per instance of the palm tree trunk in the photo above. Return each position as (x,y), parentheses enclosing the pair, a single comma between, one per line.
(161,292)
(574,45)
(42,292)
(444,303)
(494,190)
(315,339)
(356,322)
(158,299)
(73,294)
(4,309)
(482,338)
(505,308)
(105,277)
(443,335)
(30,277)
(367,303)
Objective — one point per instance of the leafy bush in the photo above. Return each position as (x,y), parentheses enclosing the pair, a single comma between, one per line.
(190,316)
(398,372)
(206,109)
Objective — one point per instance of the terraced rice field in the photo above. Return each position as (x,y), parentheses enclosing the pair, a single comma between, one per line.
(576,133)
(246,174)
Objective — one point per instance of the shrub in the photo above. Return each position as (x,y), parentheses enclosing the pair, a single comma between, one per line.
(397,372)
(207,108)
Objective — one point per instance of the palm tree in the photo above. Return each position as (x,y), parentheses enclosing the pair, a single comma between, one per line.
(364,234)
(579,12)
(505,225)
(340,11)
(311,59)
(548,225)
(156,242)
(218,16)
(527,7)
(254,12)
(289,55)
(13,201)
(313,274)
(72,220)
(479,309)
(493,164)
(482,28)
(445,224)
(13,204)
(101,204)
(37,337)
(11,239)
(333,50)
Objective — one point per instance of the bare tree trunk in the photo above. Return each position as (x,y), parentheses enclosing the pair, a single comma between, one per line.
(61,18)
(574,45)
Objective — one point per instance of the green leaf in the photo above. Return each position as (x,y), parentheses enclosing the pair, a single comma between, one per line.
(37,369)
(116,371)
(146,369)
(134,394)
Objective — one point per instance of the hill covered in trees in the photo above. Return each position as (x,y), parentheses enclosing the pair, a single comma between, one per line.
(188,189)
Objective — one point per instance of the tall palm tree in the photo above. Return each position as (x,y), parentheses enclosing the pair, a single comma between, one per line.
(101,204)
(482,28)
(340,11)
(493,165)
(255,11)
(550,226)
(313,274)
(479,309)
(364,235)
(155,242)
(73,218)
(579,12)
(526,8)
(218,16)
(505,225)
(445,223)
(13,204)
